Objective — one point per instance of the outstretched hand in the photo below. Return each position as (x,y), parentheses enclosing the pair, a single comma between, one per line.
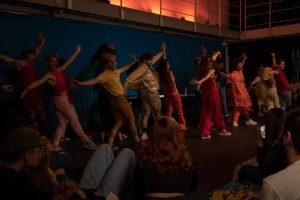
(203,50)
(41,38)
(23,94)
(72,83)
(7,88)
(163,47)
(78,48)
(75,82)
(194,82)
(244,56)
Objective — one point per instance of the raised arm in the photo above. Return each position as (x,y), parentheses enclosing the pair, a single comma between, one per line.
(273,59)
(71,59)
(41,42)
(165,52)
(203,51)
(11,61)
(126,67)
(36,83)
(160,53)
(244,58)
(207,76)
(6,88)
(87,83)
(215,55)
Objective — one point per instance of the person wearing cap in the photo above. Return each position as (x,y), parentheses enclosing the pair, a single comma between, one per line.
(26,75)
(285,183)
(22,148)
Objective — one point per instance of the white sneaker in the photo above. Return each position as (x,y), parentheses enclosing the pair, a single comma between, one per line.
(89,144)
(144,136)
(206,137)
(250,122)
(235,124)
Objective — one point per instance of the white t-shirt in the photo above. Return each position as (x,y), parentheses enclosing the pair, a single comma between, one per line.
(284,185)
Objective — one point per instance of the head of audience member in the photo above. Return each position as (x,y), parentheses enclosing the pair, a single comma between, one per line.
(273,122)
(29,55)
(21,148)
(52,60)
(280,63)
(166,151)
(147,58)
(290,139)
(110,62)
(162,69)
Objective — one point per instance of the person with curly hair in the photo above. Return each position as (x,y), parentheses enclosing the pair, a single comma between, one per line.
(165,168)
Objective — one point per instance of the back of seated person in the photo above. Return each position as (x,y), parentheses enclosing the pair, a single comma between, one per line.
(269,158)
(285,183)
(164,168)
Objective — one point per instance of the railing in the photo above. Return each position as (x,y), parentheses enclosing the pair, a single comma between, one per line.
(240,15)
(270,13)
(209,12)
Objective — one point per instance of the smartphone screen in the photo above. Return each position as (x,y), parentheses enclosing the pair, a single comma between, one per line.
(262,131)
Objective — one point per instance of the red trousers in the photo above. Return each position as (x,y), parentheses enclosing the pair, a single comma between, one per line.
(175,100)
(211,111)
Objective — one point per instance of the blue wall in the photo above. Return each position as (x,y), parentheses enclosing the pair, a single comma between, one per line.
(20,32)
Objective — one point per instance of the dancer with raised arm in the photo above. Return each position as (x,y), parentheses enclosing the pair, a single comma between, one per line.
(282,84)
(97,66)
(145,79)
(64,109)
(211,110)
(110,79)
(238,96)
(26,75)
(171,94)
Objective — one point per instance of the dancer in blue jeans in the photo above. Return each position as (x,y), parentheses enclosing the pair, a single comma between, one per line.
(108,174)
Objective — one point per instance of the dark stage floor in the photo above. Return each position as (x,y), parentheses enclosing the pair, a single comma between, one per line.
(215,158)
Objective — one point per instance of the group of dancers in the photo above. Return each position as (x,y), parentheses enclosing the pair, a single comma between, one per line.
(146,80)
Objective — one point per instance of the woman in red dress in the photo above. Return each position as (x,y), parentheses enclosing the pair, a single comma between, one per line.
(211,110)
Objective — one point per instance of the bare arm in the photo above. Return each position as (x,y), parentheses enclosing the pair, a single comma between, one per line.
(203,51)
(71,59)
(244,57)
(7,88)
(160,53)
(273,59)
(88,83)
(165,52)
(207,76)
(41,42)
(36,83)
(215,55)
(11,61)
(126,67)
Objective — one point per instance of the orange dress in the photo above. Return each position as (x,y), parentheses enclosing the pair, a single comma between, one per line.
(237,94)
